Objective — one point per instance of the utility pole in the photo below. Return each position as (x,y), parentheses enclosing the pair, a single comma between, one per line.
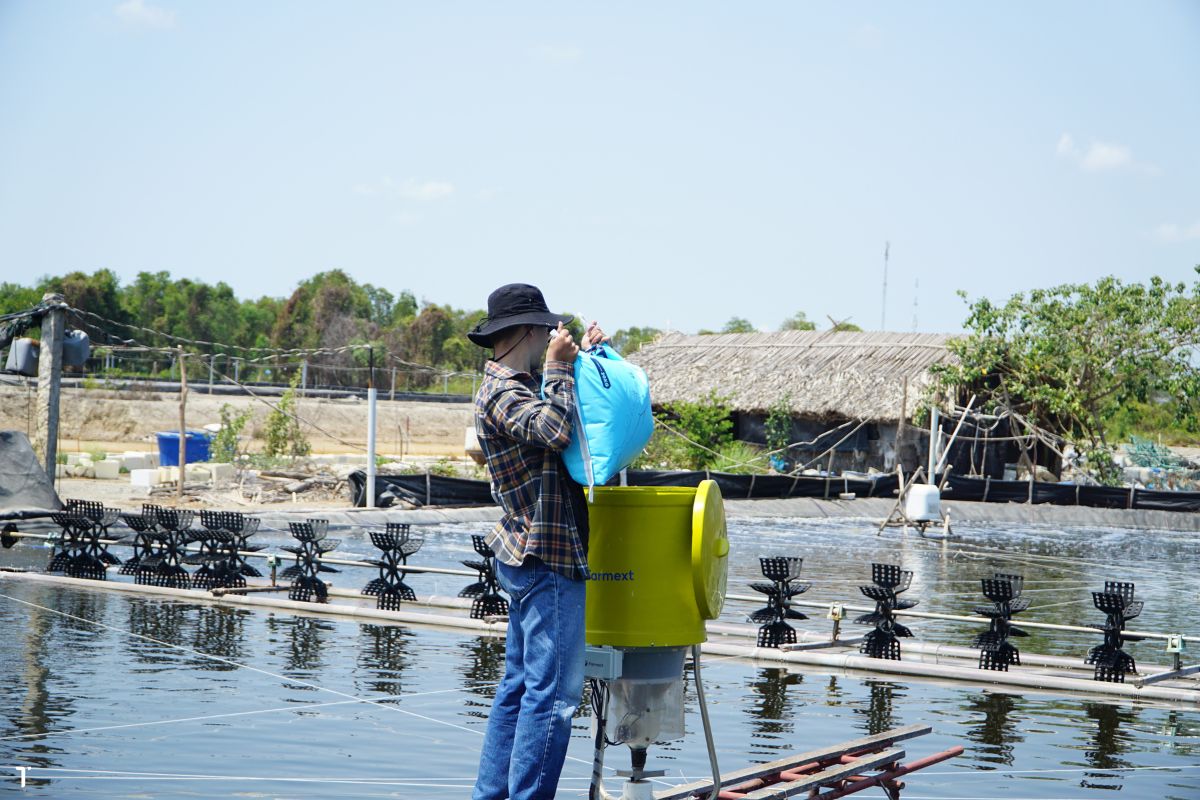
(45,441)
(887,246)
(183,390)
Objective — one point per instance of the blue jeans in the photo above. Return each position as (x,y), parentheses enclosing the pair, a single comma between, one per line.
(530,724)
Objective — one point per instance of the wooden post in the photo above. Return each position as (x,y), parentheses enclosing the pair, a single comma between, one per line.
(45,441)
(183,390)
(900,425)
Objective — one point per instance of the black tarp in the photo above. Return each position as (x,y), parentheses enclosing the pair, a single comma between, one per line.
(1166,501)
(421,490)
(436,490)
(24,484)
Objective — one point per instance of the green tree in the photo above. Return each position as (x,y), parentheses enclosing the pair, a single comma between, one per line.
(778,425)
(798,322)
(14,298)
(1069,358)
(630,340)
(99,293)
(738,325)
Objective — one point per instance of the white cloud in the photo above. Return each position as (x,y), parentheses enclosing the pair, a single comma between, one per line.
(410,189)
(1170,233)
(1101,156)
(1066,145)
(140,14)
(379,187)
(557,53)
(426,190)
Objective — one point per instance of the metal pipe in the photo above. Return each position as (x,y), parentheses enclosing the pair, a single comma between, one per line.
(1163,676)
(890,775)
(708,737)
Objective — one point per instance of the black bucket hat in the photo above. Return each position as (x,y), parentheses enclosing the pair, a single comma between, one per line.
(511,305)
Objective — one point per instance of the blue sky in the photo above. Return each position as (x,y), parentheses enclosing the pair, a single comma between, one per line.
(646,164)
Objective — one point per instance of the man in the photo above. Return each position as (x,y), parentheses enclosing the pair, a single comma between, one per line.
(540,541)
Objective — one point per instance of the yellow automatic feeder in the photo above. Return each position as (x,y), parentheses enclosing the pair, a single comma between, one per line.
(658,559)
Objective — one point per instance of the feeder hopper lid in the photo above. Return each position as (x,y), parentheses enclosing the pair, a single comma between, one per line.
(710,549)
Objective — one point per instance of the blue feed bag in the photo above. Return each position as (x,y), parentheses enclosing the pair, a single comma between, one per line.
(612,407)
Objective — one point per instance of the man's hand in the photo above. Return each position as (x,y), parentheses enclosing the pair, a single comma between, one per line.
(562,346)
(594,336)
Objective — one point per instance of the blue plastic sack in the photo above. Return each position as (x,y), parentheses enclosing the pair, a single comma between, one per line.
(613,421)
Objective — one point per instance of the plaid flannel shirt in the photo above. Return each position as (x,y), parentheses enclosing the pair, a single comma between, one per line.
(522,437)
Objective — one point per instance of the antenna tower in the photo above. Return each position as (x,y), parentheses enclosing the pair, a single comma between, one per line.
(883,310)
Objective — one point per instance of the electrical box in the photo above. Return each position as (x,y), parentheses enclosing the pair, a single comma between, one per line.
(603,663)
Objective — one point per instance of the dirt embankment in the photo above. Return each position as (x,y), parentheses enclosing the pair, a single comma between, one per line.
(110,420)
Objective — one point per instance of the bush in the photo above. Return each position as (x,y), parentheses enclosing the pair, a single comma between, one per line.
(740,458)
(225,443)
(284,437)
(707,424)
(664,451)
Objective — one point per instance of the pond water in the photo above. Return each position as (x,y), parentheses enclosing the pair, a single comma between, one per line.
(109,695)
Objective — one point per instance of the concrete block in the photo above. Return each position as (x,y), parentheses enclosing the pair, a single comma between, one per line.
(168,474)
(132,461)
(143,477)
(73,458)
(60,470)
(108,470)
(222,473)
(198,473)
(89,471)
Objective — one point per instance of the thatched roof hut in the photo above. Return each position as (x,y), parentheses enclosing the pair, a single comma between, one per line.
(824,374)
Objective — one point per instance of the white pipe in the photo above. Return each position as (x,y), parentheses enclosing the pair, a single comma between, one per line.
(934,439)
(318,609)
(1020,623)
(840,661)
(853,661)
(371,397)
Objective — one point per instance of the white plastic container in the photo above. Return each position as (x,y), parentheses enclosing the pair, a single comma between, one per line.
(923,503)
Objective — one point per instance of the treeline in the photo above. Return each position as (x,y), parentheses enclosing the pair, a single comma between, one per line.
(424,341)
